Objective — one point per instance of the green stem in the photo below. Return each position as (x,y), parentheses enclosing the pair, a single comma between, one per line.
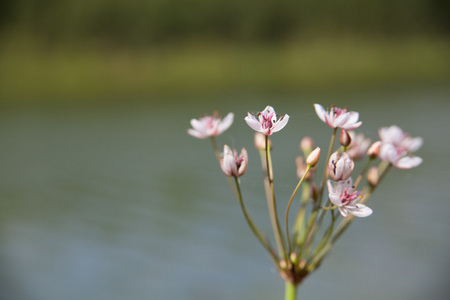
(290,291)
(289,206)
(253,227)
(358,179)
(272,205)
(311,229)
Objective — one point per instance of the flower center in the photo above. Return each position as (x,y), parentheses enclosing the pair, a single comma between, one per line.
(347,197)
(267,121)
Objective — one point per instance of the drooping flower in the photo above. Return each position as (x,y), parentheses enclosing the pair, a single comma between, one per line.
(340,168)
(267,122)
(401,140)
(359,145)
(209,126)
(398,158)
(338,117)
(342,195)
(232,164)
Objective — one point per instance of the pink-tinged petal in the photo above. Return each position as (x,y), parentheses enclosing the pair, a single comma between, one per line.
(268,110)
(281,123)
(196,134)
(351,126)
(341,120)
(415,144)
(226,123)
(320,111)
(343,211)
(198,125)
(353,117)
(388,153)
(408,162)
(253,122)
(359,210)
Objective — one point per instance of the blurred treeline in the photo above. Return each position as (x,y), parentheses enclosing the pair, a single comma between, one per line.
(147,22)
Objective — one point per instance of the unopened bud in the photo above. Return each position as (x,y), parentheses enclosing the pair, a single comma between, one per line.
(345,138)
(293,257)
(313,157)
(372,176)
(306,144)
(260,141)
(283,264)
(374,149)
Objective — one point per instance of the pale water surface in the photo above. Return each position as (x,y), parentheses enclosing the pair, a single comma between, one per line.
(118,202)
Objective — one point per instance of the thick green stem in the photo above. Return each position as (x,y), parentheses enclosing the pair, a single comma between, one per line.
(290,291)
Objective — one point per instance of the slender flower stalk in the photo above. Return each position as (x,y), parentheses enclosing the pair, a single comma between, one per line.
(273,208)
(253,227)
(289,206)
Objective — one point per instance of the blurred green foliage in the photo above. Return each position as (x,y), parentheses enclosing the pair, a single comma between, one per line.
(144,22)
(76,48)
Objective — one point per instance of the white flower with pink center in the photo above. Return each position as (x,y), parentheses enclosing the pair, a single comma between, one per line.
(209,126)
(232,164)
(401,140)
(338,117)
(342,195)
(267,122)
(397,157)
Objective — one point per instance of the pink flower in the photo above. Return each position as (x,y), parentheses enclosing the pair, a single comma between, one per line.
(341,195)
(231,164)
(340,168)
(209,126)
(338,117)
(267,122)
(402,141)
(359,145)
(398,158)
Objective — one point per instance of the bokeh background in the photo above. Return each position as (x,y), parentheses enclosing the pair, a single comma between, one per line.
(103,195)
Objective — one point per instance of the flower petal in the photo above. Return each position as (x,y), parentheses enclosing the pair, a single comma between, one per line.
(281,123)
(408,162)
(351,126)
(253,122)
(197,134)
(226,123)
(320,111)
(359,210)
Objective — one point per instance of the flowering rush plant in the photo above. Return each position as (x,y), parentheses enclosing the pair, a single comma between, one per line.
(326,207)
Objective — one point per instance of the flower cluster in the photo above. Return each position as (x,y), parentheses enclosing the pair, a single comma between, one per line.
(337,194)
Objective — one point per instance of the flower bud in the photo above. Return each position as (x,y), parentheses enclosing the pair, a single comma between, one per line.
(306,144)
(260,141)
(372,176)
(340,168)
(231,164)
(313,157)
(345,138)
(374,149)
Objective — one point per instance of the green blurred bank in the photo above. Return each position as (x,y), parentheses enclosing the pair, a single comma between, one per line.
(97,49)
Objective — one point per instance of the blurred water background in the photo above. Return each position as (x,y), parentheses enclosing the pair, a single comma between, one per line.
(103,195)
